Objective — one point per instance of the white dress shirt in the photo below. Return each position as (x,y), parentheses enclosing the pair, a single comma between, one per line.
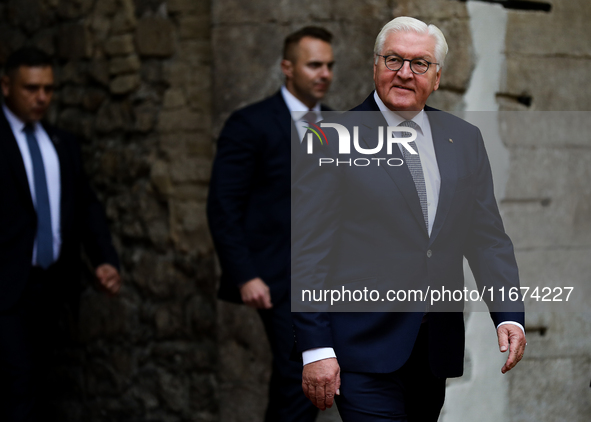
(426,150)
(298,110)
(52,173)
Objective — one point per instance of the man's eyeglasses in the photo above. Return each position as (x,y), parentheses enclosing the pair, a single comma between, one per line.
(417,66)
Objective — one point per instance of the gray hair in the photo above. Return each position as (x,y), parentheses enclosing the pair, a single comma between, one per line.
(407,24)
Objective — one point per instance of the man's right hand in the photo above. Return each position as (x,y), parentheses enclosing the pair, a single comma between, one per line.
(321,380)
(256,293)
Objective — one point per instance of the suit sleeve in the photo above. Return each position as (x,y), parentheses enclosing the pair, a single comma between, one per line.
(314,218)
(231,182)
(489,250)
(94,230)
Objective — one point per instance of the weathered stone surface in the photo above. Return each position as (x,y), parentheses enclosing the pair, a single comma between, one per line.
(12,39)
(562,32)
(99,71)
(561,390)
(104,317)
(145,118)
(196,53)
(254,80)
(446,100)
(235,11)
(547,198)
(93,98)
(428,10)
(113,116)
(151,70)
(71,95)
(30,15)
(73,9)
(129,64)
(176,6)
(124,84)
(174,98)
(124,20)
(45,40)
(74,42)
(459,62)
(191,27)
(181,120)
(540,129)
(553,273)
(554,83)
(119,45)
(189,230)
(154,37)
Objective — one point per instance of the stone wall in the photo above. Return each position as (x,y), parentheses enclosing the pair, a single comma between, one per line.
(134,81)
(548,204)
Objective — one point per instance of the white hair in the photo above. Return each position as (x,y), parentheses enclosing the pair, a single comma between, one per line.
(407,24)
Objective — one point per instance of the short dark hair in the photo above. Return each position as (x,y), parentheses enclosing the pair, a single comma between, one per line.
(309,31)
(26,56)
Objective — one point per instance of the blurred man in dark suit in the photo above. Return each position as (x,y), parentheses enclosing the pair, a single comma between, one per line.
(47,212)
(249,206)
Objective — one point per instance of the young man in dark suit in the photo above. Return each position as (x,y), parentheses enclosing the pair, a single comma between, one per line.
(47,212)
(404,224)
(249,206)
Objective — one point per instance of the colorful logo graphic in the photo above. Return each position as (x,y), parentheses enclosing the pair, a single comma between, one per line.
(316,132)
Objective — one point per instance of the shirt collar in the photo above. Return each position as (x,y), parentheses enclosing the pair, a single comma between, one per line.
(295,106)
(16,124)
(394,119)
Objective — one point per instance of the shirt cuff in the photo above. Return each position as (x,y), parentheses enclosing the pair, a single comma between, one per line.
(514,323)
(320,353)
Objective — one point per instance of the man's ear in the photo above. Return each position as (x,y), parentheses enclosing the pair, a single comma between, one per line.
(5,82)
(437,80)
(287,68)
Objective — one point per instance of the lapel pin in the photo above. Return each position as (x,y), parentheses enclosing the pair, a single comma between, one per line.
(451,140)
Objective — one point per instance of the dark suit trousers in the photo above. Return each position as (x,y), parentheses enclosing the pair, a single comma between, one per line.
(287,402)
(27,339)
(411,394)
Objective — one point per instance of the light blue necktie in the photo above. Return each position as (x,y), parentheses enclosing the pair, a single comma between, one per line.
(44,232)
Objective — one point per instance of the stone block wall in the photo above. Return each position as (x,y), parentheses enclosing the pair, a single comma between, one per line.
(548,203)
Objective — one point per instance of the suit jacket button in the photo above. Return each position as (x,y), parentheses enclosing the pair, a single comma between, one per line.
(429,253)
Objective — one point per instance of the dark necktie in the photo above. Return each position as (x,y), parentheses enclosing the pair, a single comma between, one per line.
(310,117)
(44,232)
(413,162)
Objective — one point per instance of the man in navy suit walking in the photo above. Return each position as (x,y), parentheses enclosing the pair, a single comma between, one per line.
(47,212)
(402,226)
(249,206)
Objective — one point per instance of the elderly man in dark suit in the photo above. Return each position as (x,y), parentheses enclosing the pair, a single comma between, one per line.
(249,206)
(47,212)
(403,223)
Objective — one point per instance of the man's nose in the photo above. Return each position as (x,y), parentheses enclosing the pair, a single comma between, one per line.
(404,71)
(42,96)
(326,72)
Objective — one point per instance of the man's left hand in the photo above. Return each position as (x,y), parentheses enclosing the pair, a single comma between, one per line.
(108,278)
(511,337)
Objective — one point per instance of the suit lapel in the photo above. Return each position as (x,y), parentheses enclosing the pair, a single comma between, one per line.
(445,152)
(282,116)
(400,175)
(14,157)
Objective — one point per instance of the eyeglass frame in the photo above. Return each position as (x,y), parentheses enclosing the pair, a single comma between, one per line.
(409,63)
